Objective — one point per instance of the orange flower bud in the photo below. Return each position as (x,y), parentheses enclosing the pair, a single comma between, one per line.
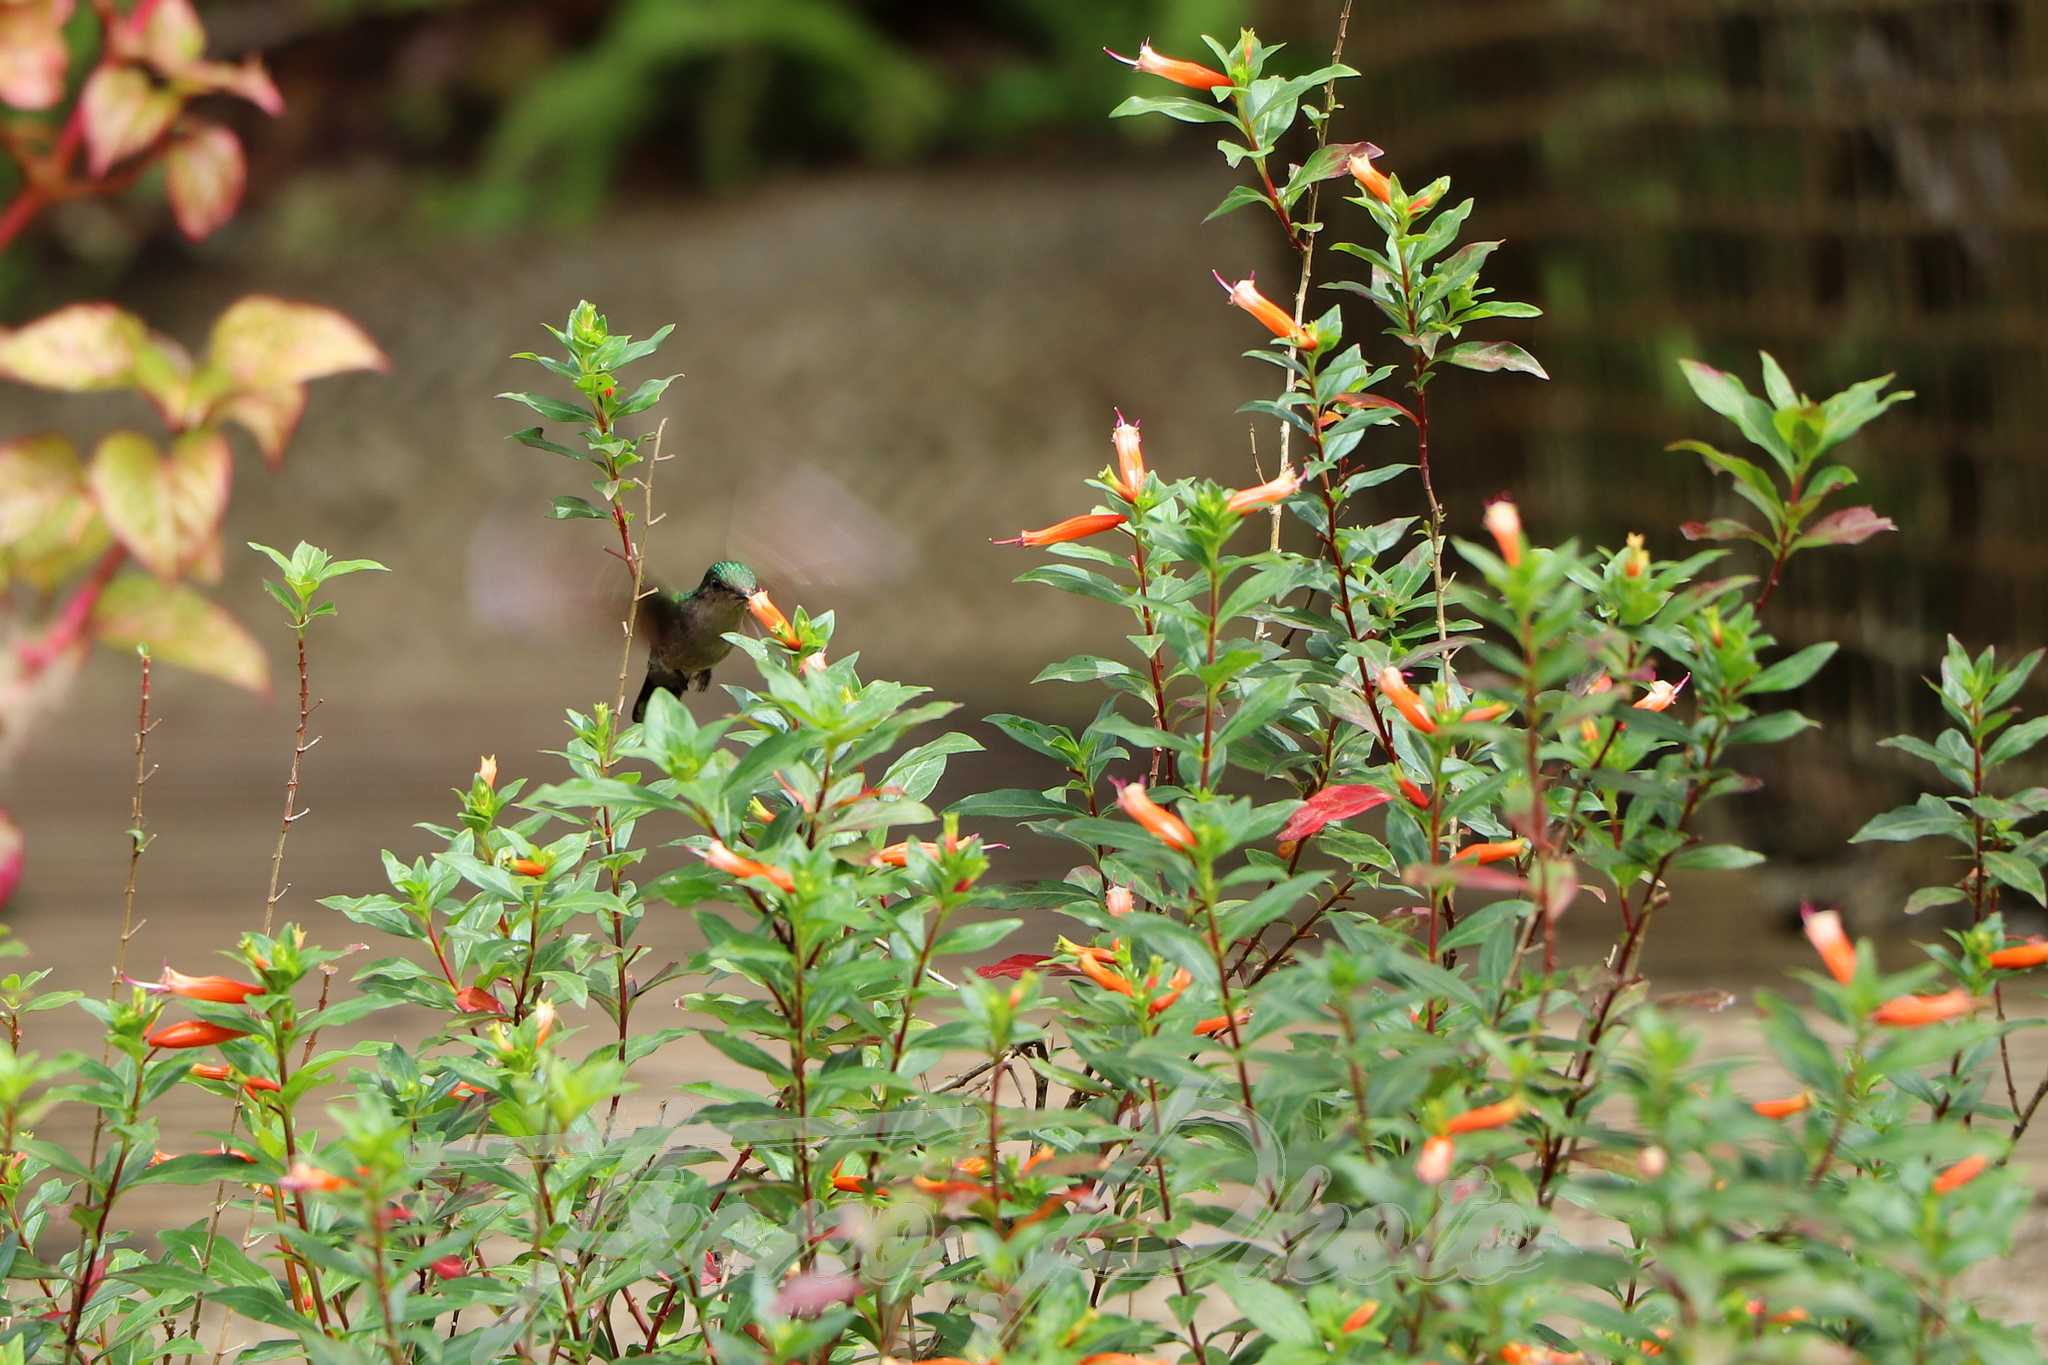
(304,1177)
(1824,932)
(1961,1174)
(2017,957)
(847,1184)
(1784,1108)
(1276,489)
(1277,320)
(260,1085)
(1589,731)
(1193,75)
(1361,1315)
(1635,560)
(1479,714)
(1434,1165)
(212,1071)
(529,867)
(1396,690)
(1601,683)
(463,1090)
(191,1033)
(736,865)
(1493,852)
(1661,694)
(487,770)
(1417,797)
(1179,982)
(1161,823)
(1073,528)
(1917,1011)
(1504,524)
(1118,900)
(447,1267)
(1130,456)
(544,1018)
(221,990)
(1486,1116)
(1373,182)
(1220,1023)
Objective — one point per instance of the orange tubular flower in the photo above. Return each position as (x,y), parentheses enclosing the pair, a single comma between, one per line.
(1130,456)
(1279,488)
(1103,975)
(212,1071)
(1961,1174)
(257,1085)
(1491,853)
(1661,694)
(1635,561)
(1824,932)
(1493,710)
(771,618)
(1220,1023)
(221,990)
(1161,823)
(1917,1011)
(1193,75)
(1433,1167)
(1504,524)
(191,1033)
(1396,690)
(304,1177)
(848,1184)
(529,867)
(487,770)
(1361,1315)
(1277,320)
(1073,528)
(447,1268)
(1180,981)
(2017,957)
(1373,182)
(1486,1116)
(1785,1108)
(1417,797)
(735,865)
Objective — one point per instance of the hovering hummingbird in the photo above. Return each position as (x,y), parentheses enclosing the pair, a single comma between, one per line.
(686,630)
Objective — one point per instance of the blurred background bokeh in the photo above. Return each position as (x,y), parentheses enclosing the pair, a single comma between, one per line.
(913,267)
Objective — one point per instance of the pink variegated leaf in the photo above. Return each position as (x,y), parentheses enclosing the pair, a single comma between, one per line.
(1850,526)
(204,174)
(123,112)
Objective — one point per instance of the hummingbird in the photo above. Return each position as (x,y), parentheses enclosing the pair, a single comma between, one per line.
(686,630)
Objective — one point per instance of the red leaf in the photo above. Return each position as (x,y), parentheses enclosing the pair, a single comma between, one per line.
(204,173)
(1850,526)
(1014,966)
(1720,528)
(1328,806)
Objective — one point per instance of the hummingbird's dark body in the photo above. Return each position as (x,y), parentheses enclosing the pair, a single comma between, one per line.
(685,630)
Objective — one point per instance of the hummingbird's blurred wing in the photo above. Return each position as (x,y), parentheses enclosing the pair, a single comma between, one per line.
(660,621)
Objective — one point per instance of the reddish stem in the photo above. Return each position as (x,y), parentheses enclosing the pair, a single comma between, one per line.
(64,632)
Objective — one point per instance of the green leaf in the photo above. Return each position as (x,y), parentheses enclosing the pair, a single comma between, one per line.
(1273,1309)
(2018,873)
(554,409)
(1931,816)
(1174,107)
(1792,670)
(569,508)
(2016,741)
(1725,394)
(1493,355)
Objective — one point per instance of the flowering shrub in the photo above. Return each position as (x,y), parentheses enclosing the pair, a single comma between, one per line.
(1292,1065)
